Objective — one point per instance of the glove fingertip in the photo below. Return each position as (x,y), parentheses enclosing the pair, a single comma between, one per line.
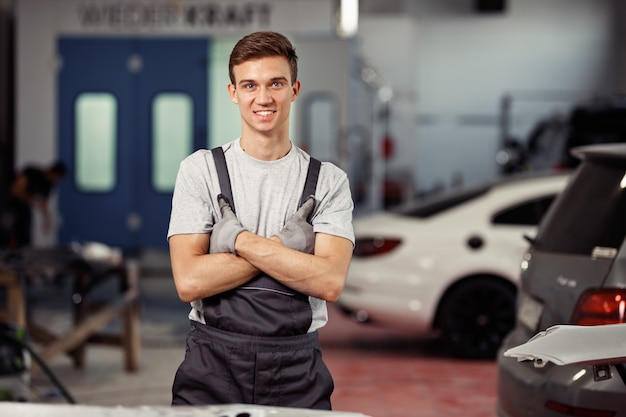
(222,197)
(309,202)
(307,207)
(223,203)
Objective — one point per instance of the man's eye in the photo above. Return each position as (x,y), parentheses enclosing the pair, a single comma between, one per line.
(277,84)
(249,86)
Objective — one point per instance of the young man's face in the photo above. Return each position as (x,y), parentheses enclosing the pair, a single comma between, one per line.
(264,93)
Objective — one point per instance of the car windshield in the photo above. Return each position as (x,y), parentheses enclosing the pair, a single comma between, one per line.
(590,213)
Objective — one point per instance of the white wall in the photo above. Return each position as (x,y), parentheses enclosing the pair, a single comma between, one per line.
(35,73)
(323,68)
(459,64)
(387,44)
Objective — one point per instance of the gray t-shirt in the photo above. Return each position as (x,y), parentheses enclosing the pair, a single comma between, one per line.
(265,194)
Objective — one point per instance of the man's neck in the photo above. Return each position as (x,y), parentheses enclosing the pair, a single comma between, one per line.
(265,148)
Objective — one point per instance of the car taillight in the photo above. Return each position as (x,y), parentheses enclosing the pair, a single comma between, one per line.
(374,246)
(599,306)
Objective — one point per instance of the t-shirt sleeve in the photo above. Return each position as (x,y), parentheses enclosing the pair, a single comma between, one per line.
(334,212)
(191,209)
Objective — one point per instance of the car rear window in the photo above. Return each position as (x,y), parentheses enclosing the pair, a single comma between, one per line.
(590,212)
(528,213)
(435,205)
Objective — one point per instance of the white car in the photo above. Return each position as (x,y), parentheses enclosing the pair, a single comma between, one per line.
(449,266)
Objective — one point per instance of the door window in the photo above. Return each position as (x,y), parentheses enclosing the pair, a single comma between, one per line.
(172,137)
(96,145)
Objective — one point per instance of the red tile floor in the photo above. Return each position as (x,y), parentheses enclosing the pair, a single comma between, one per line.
(385,374)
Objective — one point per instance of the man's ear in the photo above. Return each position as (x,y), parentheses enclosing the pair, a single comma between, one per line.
(295,89)
(232,92)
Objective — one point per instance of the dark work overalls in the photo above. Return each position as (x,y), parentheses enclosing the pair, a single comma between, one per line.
(254,348)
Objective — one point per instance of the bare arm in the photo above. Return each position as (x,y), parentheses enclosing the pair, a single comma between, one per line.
(321,275)
(198,274)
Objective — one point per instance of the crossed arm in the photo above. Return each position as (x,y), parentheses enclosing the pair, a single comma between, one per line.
(199,274)
(207,264)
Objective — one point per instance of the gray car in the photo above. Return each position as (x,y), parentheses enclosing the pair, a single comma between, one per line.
(573,273)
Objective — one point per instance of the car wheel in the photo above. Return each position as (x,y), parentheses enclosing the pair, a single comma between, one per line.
(476,315)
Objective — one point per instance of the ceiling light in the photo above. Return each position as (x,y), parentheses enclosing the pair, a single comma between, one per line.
(348,18)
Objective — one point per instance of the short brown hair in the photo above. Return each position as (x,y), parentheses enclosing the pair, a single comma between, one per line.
(261,45)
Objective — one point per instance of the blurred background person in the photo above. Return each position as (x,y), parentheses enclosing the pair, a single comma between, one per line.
(30,190)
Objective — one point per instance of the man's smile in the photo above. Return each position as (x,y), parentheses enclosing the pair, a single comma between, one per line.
(264,113)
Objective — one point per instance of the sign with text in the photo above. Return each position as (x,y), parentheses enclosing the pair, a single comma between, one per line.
(212,17)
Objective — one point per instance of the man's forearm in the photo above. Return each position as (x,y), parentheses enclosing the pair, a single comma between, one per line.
(198,274)
(315,275)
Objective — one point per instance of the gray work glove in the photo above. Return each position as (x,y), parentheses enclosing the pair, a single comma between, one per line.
(297,233)
(225,231)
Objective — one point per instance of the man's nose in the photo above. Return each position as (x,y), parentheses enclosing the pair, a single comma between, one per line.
(264,96)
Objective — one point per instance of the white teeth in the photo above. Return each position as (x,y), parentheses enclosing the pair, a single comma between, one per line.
(264,113)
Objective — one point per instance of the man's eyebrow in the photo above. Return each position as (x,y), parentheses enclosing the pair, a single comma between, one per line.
(281,78)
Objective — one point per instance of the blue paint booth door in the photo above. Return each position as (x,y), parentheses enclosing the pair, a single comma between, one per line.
(129,110)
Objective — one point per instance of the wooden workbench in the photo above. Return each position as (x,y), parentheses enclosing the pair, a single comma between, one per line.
(89,316)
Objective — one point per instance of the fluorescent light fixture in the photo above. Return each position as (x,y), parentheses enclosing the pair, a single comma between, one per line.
(348,18)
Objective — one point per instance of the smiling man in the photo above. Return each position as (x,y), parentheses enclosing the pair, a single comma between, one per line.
(260,239)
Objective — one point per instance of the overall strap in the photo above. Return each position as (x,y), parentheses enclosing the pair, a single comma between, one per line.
(310,184)
(311,179)
(222,175)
